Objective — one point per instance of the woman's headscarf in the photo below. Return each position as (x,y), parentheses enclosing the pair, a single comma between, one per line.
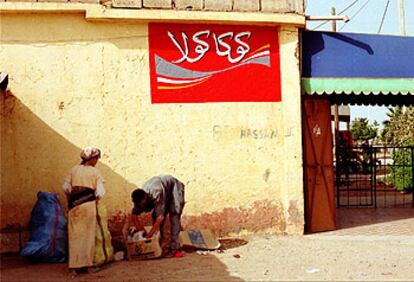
(90,153)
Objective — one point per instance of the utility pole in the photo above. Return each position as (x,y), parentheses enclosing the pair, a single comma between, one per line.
(336,130)
(333,13)
(336,114)
(402,28)
(402,17)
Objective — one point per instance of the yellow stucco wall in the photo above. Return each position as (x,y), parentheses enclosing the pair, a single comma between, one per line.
(75,83)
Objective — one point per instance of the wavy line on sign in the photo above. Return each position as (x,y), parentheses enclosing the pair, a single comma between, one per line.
(179,81)
(260,49)
(181,86)
(261,54)
(168,69)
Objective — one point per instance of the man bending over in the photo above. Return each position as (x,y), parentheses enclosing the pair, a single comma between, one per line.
(163,195)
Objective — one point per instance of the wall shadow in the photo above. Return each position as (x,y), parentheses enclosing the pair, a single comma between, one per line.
(34,157)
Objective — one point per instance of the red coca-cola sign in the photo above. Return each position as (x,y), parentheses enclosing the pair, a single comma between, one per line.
(214,63)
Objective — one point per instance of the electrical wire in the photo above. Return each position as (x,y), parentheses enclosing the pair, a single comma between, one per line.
(354,15)
(350,5)
(383,16)
(343,11)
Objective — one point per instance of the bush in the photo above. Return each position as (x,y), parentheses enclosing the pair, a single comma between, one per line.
(401,171)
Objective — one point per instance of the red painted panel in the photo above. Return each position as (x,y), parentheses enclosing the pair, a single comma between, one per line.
(214,63)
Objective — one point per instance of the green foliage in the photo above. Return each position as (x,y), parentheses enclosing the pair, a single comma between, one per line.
(401,171)
(399,131)
(399,128)
(362,130)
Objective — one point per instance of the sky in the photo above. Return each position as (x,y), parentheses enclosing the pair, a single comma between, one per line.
(367,20)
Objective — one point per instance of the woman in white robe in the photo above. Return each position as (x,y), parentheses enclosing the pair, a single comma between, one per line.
(89,238)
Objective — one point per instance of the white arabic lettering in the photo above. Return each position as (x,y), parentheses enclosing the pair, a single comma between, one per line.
(223,48)
(240,50)
(201,49)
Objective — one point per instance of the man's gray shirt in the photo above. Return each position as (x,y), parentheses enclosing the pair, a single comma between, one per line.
(166,193)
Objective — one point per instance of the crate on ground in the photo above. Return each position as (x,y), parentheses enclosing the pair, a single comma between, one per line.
(145,249)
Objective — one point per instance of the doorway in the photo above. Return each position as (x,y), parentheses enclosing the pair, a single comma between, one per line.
(370,180)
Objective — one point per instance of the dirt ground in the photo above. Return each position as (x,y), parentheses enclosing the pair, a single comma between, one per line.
(368,245)
(263,258)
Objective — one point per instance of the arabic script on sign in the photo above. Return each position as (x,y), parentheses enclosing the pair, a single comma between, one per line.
(202,45)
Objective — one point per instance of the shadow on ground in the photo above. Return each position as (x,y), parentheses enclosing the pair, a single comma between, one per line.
(192,267)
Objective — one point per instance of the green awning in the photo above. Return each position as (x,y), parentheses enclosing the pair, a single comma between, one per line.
(358,86)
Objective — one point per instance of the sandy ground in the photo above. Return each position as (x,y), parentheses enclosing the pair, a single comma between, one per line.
(263,258)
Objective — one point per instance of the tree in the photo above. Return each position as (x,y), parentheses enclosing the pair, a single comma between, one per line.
(399,128)
(362,130)
(387,134)
(399,131)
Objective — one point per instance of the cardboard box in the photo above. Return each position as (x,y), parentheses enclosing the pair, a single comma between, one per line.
(145,249)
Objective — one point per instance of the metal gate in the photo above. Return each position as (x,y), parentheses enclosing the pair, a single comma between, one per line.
(373,176)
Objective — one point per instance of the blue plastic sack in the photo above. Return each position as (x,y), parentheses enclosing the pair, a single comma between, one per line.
(48,227)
